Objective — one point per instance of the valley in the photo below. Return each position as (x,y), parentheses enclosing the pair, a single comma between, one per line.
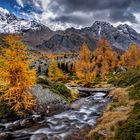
(72,84)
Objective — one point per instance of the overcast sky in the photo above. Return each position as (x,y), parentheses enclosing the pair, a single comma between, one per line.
(61,14)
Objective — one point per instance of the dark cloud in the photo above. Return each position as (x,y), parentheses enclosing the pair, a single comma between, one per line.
(88,5)
(117,10)
(79,20)
(122,16)
(76,13)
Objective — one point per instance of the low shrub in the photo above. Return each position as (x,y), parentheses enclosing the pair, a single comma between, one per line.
(126,78)
(134,92)
(5,111)
(130,129)
(44,82)
(117,104)
(62,89)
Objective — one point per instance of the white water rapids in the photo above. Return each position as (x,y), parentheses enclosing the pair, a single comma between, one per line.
(63,125)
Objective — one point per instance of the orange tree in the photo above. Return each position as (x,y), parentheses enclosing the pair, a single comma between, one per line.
(131,58)
(104,58)
(16,77)
(54,73)
(84,67)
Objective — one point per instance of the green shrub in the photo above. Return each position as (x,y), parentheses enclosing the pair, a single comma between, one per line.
(125,79)
(97,80)
(134,92)
(96,136)
(62,89)
(5,111)
(130,129)
(117,104)
(43,82)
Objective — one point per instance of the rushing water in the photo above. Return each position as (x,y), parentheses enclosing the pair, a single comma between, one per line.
(63,125)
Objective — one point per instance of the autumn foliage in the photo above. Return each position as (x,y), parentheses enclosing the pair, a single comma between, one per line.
(105,58)
(99,63)
(54,72)
(84,67)
(16,76)
(131,58)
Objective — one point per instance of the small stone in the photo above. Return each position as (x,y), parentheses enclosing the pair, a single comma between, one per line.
(5,136)
(39,137)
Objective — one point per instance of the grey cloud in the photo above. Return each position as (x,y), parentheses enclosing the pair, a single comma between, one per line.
(65,11)
(89,5)
(122,16)
(118,10)
(76,19)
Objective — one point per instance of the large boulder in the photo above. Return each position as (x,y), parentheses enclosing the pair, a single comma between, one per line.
(48,102)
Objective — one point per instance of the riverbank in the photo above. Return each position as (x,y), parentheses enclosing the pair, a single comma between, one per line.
(90,117)
(116,113)
(120,121)
(80,117)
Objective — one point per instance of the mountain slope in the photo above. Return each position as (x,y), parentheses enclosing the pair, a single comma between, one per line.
(9,23)
(38,36)
(34,33)
(120,37)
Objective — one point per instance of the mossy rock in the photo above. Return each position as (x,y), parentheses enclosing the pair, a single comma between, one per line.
(56,87)
(62,89)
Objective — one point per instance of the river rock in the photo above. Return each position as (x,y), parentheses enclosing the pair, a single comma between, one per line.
(120,69)
(47,100)
(26,122)
(10,126)
(39,137)
(5,136)
(2,127)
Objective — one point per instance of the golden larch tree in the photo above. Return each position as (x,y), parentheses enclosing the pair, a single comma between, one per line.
(84,68)
(16,76)
(131,58)
(104,58)
(54,72)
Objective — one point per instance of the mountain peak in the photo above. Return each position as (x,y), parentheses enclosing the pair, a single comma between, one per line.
(101,23)
(37,35)
(4,11)
(123,26)
(9,23)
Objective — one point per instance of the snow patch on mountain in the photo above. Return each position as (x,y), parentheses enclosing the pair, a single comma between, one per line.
(4,11)
(9,23)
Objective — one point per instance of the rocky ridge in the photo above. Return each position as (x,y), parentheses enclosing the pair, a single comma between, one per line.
(39,37)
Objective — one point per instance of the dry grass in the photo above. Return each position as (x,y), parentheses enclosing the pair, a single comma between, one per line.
(103,85)
(111,118)
(74,94)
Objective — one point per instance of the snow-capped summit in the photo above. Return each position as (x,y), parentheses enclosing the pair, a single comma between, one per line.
(130,32)
(9,23)
(5,11)
(39,36)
